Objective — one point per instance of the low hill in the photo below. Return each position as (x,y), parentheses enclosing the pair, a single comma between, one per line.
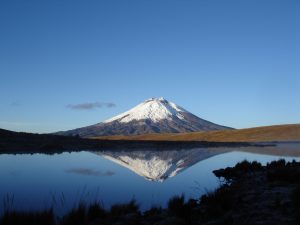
(289,132)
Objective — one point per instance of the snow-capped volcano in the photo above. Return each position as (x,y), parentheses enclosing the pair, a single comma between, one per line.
(155,115)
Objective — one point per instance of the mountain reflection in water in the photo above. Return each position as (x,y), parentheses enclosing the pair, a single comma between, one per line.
(161,165)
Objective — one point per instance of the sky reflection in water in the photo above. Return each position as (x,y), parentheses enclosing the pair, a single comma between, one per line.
(62,180)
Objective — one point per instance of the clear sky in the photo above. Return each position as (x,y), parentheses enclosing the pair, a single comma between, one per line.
(69,63)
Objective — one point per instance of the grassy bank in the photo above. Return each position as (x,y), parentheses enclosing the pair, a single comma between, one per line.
(250,194)
(288,132)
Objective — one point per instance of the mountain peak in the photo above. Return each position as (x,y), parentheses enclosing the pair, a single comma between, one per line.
(154,109)
(157,100)
(160,99)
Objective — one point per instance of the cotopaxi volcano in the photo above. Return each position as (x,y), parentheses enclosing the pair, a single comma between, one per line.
(155,115)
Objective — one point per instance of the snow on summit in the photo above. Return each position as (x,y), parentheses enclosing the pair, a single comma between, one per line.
(155,109)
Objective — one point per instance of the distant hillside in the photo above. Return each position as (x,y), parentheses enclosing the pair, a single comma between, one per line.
(20,142)
(289,132)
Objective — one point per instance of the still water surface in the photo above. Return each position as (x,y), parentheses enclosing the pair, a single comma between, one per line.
(150,177)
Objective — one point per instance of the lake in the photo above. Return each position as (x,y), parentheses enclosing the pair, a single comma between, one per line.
(38,181)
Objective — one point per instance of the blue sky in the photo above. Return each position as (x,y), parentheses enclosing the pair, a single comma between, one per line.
(236,63)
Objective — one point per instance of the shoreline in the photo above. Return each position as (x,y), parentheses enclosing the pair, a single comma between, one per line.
(14,142)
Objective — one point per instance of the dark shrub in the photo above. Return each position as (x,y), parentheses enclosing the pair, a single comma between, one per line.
(78,216)
(296,196)
(218,202)
(256,166)
(283,174)
(28,218)
(154,210)
(276,164)
(176,205)
(296,200)
(239,170)
(124,209)
(96,211)
(181,210)
(282,171)
(246,167)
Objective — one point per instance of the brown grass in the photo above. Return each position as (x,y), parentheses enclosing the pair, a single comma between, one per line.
(289,132)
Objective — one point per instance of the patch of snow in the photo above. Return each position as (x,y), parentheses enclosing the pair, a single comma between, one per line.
(154,109)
